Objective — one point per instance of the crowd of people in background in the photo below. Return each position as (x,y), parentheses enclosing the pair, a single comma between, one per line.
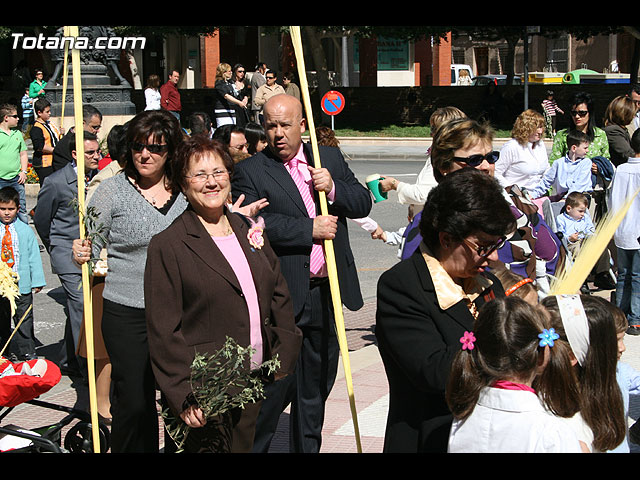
(210,228)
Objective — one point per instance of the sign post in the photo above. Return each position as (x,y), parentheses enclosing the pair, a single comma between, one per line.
(332,104)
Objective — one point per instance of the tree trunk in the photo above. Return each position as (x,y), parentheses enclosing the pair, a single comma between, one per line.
(320,65)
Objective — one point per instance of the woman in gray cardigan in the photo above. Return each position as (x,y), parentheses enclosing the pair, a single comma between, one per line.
(133,206)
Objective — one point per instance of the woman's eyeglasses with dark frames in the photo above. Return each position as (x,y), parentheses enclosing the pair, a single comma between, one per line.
(485,251)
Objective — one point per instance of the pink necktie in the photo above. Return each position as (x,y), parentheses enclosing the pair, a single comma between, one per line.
(317,253)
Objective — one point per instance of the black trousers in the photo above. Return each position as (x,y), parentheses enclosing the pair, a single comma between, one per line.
(134,426)
(24,340)
(309,387)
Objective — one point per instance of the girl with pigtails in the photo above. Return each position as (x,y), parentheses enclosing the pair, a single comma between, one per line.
(491,392)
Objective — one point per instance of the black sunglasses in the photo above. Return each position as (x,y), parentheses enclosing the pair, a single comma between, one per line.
(476,160)
(151,148)
(579,113)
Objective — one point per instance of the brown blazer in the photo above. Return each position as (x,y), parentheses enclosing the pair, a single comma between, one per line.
(193,301)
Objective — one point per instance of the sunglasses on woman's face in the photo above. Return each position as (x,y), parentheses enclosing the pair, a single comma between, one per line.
(477,159)
(579,113)
(151,148)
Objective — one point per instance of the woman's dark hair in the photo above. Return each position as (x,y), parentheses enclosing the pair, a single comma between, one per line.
(506,347)
(153,81)
(235,69)
(117,143)
(326,136)
(578,99)
(599,397)
(195,148)
(161,126)
(467,201)
(254,133)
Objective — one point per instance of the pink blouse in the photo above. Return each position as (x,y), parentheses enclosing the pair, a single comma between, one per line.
(232,251)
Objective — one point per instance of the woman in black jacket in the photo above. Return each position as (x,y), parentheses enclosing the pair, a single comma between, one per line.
(427,302)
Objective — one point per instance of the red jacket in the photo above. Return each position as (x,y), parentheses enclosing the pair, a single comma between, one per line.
(170,97)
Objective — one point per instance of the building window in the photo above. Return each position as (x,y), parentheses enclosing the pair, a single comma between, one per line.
(558,54)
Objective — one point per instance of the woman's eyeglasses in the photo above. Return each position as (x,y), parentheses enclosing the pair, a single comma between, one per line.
(476,160)
(151,147)
(579,113)
(485,250)
(203,177)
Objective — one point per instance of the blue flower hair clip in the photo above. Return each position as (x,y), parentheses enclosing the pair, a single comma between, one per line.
(547,337)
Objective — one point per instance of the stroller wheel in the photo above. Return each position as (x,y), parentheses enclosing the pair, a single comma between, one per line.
(79,439)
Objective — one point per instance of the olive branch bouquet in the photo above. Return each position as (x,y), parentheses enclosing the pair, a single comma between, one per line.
(221,382)
(92,227)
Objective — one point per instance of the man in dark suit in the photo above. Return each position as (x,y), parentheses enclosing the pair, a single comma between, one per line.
(91,122)
(57,224)
(296,233)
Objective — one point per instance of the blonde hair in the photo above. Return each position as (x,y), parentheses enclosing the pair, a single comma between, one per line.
(526,124)
(443,115)
(221,69)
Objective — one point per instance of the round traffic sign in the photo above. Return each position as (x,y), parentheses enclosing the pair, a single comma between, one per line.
(332,102)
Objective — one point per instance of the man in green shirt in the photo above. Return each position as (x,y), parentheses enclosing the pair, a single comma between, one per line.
(13,156)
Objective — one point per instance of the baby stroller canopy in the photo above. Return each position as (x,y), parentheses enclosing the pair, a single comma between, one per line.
(25,381)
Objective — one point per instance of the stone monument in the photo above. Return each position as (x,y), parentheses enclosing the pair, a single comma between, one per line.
(103,86)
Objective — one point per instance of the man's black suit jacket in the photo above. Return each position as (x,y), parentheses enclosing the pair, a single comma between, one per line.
(288,225)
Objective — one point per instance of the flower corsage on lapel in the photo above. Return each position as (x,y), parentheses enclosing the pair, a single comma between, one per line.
(255,235)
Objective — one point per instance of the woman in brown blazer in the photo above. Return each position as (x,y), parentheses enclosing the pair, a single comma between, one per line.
(208,276)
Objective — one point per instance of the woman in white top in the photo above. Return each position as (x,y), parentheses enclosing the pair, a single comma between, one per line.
(152,93)
(490,393)
(416,193)
(523,159)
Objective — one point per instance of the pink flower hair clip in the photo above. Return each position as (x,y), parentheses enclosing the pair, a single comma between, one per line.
(467,341)
(255,235)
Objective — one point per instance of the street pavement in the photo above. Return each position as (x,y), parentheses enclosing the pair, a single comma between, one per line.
(368,379)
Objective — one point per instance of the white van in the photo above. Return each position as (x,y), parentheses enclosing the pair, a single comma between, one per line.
(455,72)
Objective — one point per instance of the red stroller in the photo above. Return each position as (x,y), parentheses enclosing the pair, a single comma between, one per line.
(22,383)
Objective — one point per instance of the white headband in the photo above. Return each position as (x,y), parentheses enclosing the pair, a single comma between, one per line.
(576,325)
